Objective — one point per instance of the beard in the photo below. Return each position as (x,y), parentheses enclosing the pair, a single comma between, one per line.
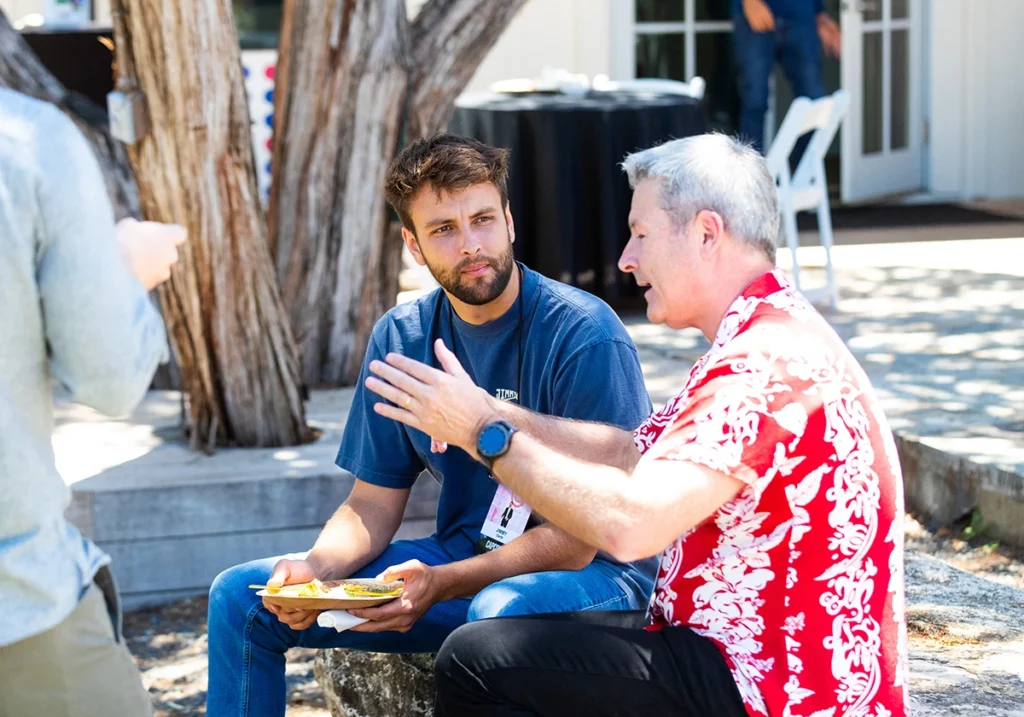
(477,292)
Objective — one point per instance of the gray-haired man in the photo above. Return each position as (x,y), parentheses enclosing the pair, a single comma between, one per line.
(73,306)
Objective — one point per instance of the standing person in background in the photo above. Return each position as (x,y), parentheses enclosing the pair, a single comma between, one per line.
(73,306)
(791,32)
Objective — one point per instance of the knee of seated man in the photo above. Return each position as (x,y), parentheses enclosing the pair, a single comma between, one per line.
(229,589)
(505,598)
(466,641)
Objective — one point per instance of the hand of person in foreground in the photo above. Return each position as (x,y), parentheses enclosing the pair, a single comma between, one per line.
(292,572)
(422,591)
(446,405)
(149,249)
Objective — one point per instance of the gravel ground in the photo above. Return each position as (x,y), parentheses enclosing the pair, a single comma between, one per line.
(169,642)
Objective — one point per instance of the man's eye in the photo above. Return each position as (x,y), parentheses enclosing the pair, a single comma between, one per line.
(483,219)
(442,230)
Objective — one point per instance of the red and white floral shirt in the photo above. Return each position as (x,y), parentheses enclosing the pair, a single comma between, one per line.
(799,579)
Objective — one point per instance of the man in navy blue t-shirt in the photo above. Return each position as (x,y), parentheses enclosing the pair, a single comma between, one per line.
(526,339)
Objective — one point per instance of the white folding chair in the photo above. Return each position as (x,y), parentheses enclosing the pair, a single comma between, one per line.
(694,88)
(806,188)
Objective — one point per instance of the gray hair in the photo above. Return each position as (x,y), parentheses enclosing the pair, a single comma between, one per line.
(718,173)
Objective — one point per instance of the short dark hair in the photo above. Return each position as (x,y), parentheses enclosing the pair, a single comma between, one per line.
(445,162)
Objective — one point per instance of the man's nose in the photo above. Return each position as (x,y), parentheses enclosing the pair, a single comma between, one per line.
(471,243)
(628,262)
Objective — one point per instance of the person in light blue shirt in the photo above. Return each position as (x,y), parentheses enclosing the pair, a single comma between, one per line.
(73,307)
(526,339)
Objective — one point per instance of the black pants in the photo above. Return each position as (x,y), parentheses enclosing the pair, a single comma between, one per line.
(596,664)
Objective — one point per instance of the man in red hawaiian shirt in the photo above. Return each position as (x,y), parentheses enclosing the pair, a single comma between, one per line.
(769,484)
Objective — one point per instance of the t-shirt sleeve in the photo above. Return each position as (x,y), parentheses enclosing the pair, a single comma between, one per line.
(739,419)
(374,448)
(603,383)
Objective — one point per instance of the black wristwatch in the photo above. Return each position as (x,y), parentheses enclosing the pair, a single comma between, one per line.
(493,441)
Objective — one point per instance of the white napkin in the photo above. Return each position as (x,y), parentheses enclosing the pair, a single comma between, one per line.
(340,620)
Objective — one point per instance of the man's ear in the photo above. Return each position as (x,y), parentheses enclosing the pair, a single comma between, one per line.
(414,246)
(510,224)
(712,230)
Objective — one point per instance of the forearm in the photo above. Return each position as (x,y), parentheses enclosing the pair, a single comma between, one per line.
(581,497)
(541,549)
(583,440)
(358,532)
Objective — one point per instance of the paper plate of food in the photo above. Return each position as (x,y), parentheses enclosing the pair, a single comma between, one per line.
(332,594)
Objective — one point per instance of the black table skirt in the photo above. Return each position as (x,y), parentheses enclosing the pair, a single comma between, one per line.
(569,197)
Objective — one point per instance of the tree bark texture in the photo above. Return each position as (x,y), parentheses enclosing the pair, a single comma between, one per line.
(351,76)
(229,330)
(21,70)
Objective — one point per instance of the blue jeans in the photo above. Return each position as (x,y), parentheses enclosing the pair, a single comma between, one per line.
(247,644)
(796,45)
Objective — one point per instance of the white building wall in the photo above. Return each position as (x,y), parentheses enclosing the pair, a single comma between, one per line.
(975,98)
(15,10)
(570,34)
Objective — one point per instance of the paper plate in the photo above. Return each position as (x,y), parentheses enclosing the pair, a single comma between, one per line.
(336,599)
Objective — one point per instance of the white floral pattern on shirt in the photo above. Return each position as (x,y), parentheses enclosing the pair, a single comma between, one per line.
(798,579)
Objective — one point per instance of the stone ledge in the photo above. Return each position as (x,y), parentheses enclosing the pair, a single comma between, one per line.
(942,487)
(370,684)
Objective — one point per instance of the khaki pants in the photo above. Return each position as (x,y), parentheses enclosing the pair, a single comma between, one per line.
(77,669)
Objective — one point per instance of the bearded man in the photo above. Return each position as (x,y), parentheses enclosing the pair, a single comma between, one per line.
(526,340)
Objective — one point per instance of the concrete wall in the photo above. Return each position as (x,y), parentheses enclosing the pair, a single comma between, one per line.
(975,98)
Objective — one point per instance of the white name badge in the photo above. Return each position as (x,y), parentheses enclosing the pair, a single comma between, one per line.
(506,520)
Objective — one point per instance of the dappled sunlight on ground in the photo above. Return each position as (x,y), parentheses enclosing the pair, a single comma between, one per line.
(169,644)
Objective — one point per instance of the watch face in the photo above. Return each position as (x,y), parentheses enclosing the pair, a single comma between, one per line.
(492,440)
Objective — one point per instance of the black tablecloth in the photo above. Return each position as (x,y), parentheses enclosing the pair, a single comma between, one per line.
(569,197)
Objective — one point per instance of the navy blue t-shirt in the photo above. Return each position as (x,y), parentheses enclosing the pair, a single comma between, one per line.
(577,362)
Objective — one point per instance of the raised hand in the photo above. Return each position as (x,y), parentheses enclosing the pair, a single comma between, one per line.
(150,249)
(446,405)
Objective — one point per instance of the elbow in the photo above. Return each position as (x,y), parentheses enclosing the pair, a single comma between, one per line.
(115,394)
(628,542)
(579,559)
(111,399)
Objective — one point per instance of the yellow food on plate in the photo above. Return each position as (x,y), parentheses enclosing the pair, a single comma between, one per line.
(372,590)
(314,589)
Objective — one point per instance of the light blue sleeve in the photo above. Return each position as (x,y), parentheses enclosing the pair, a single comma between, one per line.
(105,336)
(603,383)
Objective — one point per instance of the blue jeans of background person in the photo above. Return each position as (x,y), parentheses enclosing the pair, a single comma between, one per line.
(247,643)
(796,46)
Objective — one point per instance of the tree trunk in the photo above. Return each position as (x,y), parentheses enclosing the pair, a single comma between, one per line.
(21,70)
(229,329)
(350,73)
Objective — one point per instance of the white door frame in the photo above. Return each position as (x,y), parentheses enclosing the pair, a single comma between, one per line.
(889,171)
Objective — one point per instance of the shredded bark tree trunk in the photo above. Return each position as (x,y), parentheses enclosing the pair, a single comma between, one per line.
(352,77)
(229,329)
